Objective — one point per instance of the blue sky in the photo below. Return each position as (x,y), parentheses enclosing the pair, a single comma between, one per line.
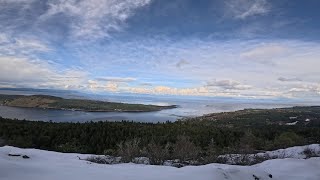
(229,48)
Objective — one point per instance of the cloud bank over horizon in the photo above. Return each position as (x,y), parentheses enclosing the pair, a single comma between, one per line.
(231,48)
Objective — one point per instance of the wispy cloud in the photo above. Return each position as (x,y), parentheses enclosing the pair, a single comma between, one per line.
(265,51)
(228,85)
(305,90)
(92,19)
(21,46)
(283,79)
(242,9)
(202,91)
(34,73)
(21,67)
(116,79)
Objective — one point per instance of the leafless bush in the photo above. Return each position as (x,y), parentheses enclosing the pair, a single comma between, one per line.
(243,159)
(184,149)
(211,153)
(129,149)
(104,159)
(157,154)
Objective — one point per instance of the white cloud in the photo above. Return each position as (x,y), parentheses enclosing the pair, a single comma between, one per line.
(116,79)
(242,9)
(305,90)
(32,73)
(228,85)
(92,19)
(14,46)
(31,45)
(21,70)
(20,66)
(283,79)
(170,90)
(111,86)
(241,68)
(265,52)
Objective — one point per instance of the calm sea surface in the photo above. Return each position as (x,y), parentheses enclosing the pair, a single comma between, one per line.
(187,107)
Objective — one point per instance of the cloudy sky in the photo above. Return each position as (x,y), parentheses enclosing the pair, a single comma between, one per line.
(230,48)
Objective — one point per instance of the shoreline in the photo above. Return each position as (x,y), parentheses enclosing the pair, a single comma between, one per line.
(83,110)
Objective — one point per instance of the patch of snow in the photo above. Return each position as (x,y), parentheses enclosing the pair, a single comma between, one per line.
(296,152)
(47,165)
(292,169)
(292,124)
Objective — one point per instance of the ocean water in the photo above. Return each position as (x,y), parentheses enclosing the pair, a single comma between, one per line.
(187,107)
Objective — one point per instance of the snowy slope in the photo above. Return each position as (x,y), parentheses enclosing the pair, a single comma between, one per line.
(46,165)
(297,152)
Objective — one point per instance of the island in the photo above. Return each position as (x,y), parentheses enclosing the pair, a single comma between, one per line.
(53,102)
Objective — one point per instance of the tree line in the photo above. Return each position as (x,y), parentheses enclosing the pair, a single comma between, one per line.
(170,140)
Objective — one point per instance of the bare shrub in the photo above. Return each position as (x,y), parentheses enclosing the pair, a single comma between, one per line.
(103,159)
(243,159)
(96,159)
(184,149)
(129,149)
(156,153)
(211,153)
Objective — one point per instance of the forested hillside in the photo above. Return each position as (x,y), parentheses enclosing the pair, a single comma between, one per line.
(189,139)
(52,102)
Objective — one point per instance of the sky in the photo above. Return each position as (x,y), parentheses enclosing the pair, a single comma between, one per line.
(219,48)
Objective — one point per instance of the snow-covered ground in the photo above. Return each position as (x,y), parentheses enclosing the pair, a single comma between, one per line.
(297,152)
(46,165)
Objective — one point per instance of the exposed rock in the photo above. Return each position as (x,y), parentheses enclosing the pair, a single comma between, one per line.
(14,155)
(25,157)
(178,165)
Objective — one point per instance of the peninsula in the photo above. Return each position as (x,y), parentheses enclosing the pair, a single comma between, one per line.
(53,102)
